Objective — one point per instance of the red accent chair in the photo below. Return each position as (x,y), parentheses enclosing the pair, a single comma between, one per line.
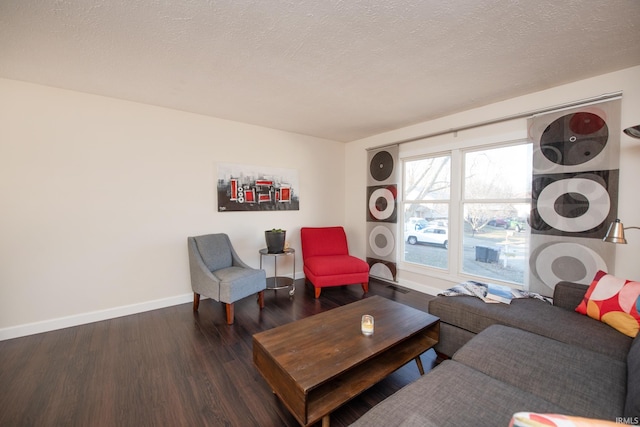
(327,261)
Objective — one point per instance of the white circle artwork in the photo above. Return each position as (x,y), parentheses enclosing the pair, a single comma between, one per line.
(591,261)
(381,251)
(596,194)
(380,270)
(386,194)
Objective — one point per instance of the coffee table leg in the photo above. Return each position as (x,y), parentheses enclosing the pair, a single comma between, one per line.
(325,421)
(419,363)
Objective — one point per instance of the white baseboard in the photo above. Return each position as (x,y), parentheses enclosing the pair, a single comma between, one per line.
(126,310)
(94,316)
(420,287)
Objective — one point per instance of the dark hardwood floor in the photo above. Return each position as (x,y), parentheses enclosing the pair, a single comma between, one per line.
(171,367)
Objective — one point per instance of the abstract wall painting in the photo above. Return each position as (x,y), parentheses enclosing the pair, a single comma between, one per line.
(243,188)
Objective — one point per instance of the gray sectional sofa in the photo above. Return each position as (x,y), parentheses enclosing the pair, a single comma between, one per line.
(528,356)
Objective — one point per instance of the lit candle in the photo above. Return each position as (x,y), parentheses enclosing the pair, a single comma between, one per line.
(367,324)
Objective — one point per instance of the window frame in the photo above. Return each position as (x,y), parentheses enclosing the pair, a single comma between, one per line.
(454,271)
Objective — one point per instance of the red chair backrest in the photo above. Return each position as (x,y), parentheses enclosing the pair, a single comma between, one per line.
(322,241)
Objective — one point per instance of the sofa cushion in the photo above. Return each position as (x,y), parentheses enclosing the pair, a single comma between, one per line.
(632,407)
(614,301)
(581,381)
(568,295)
(454,395)
(451,338)
(474,315)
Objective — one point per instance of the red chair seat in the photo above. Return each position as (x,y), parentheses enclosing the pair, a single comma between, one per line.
(336,264)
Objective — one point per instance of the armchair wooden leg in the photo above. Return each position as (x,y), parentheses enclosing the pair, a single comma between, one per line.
(317,292)
(261,299)
(229,308)
(196,301)
(365,287)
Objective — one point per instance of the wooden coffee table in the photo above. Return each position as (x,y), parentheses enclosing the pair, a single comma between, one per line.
(316,364)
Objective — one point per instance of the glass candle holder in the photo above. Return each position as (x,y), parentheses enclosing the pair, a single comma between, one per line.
(366,325)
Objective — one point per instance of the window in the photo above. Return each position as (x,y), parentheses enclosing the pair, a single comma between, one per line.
(477,228)
(496,204)
(427,195)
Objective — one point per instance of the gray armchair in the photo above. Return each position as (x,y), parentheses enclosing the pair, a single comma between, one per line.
(218,273)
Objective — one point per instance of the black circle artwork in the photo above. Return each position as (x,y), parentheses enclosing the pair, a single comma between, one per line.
(571,205)
(574,139)
(381,204)
(381,166)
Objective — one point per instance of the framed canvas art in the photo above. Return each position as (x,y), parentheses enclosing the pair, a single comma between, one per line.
(256,188)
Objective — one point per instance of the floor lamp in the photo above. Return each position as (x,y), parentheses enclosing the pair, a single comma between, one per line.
(615,234)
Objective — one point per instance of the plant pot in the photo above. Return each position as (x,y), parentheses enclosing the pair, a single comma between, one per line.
(275,241)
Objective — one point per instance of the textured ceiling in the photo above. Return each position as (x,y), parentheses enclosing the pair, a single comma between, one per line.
(341,70)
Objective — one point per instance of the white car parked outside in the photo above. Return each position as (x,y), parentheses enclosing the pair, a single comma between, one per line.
(432,235)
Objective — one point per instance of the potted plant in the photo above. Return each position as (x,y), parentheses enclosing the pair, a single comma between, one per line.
(275,239)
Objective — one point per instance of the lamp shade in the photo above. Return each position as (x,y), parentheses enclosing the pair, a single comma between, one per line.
(615,234)
(633,131)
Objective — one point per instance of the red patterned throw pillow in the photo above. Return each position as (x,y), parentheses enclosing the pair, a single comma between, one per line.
(613,301)
(531,419)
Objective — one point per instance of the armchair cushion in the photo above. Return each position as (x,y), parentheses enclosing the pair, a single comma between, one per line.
(323,241)
(336,264)
(237,282)
(214,251)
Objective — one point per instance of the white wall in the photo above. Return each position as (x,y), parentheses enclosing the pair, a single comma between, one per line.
(627,81)
(98,196)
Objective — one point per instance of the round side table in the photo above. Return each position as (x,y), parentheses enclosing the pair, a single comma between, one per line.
(280,282)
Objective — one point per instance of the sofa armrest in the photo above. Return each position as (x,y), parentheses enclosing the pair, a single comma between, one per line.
(569,295)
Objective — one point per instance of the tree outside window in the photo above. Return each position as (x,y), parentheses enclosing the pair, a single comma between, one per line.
(496,203)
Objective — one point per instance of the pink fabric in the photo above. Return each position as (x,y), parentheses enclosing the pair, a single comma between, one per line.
(326,258)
